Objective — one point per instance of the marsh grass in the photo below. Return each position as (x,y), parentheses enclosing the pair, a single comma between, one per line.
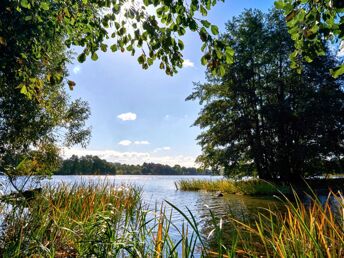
(312,230)
(246,187)
(103,220)
(61,220)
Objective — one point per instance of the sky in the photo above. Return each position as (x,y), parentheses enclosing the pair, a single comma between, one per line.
(141,115)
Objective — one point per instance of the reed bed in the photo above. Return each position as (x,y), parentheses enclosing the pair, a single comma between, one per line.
(62,220)
(108,221)
(246,187)
(312,230)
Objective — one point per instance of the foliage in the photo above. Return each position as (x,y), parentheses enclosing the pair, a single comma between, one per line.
(31,130)
(111,221)
(86,165)
(315,229)
(246,187)
(309,24)
(66,220)
(93,165)
(29,28)
(99,220)
(262,118)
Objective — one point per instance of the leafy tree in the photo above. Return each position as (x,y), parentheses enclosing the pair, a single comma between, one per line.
(86,165)
(309,23)
(262,117)
(29,28)
(32,130)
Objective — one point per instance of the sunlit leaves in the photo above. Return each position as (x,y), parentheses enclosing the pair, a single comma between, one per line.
(337,71)
(89,24)
(311,24)
(214,29)
(94,56)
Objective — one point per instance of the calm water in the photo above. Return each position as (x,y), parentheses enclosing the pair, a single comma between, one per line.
(157,189)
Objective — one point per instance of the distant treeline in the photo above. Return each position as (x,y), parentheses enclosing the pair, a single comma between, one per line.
(93,165)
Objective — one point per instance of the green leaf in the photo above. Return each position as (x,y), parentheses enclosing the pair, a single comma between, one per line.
(94,56)
(103,47)
(25,4)
(180,44)
(203,10)
(44,6)
(338,71)
(141,59)
(279,4)
(205,23)
(23,89)
(214,29)
(222,70)
(82,57)
(204,60)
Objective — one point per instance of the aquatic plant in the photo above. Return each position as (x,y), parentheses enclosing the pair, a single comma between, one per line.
(247,187)
(104,220)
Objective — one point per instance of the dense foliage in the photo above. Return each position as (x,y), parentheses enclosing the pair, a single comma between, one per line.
(93,165)
(29,29)
(262,117)
(32,130)
(309,23)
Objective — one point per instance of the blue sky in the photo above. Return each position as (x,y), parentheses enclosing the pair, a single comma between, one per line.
(141,115)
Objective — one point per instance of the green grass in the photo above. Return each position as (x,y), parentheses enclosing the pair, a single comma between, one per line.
(248,187)
(102,220)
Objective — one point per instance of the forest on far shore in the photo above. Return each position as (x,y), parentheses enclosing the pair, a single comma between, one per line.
(93,165)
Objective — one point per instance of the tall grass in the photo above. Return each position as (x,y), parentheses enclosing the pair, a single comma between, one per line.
(106,221)
(247,187)
(63,219)
(315,230)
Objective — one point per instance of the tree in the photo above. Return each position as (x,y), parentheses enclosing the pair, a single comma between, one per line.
(29,28)
(309,23)
(86,165)
(262,117)
(31,131)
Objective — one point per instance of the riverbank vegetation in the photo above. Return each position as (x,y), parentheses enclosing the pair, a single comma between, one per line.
(257,186)
(93,165)
(246,187)
(104,220)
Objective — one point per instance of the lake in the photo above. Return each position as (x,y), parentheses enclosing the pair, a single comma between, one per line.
(157,189)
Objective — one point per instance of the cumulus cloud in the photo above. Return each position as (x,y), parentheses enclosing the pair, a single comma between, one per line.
(76,69)
(125,142)
(134,158)
(127,116)
(188,63)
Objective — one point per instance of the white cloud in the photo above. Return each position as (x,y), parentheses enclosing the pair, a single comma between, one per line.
(141,142)
(165,148)
(125,142)
(128,142)
(135,158)
(127,116)
(76,69)
(188,63)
